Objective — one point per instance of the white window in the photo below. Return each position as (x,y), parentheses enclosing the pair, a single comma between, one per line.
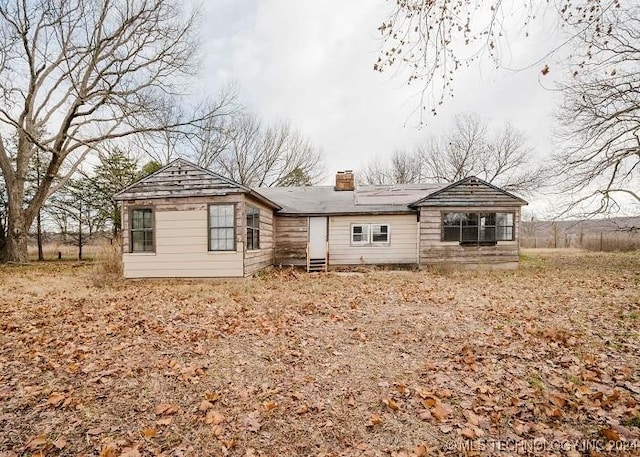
(370,234)
(379,233)
(222,228)
(360,234)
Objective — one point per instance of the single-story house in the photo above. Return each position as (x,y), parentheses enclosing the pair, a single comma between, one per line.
(186,221)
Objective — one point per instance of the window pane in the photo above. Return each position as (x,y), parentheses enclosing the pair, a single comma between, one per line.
(221,239)
(487,234)
(469,219)
(504,219)
(221,216)
(452,219)
(137,241)
(504,233)
(360,233)
(380,233)
(452,233)
(469,233)
(488,219)
(142,218)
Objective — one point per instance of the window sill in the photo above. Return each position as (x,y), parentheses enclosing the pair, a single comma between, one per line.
(478,243)
(222,252)
(141,253)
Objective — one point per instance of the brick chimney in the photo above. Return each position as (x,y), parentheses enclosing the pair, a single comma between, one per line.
(345,180)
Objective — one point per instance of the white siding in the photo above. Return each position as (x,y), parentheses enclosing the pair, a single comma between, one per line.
(182,250)
(402,247)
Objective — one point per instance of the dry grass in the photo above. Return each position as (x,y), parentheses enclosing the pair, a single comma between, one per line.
(108,265)
(297,364)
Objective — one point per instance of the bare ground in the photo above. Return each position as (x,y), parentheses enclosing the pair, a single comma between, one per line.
(385,363)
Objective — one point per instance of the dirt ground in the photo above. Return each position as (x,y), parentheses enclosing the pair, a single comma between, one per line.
(543,360)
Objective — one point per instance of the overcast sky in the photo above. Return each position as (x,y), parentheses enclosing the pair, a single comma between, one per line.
(311,62)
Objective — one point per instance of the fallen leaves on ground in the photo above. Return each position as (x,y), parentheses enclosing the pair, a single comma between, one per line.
(387,363)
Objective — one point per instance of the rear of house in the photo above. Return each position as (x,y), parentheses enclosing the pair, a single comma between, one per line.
(184,221)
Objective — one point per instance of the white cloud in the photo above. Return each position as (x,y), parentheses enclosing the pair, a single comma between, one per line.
(311,62)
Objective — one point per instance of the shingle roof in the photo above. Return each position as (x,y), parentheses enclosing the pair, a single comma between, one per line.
(363,200)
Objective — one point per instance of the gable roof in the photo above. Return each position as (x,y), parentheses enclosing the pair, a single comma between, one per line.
(181,178)
(470,191)
(325,200)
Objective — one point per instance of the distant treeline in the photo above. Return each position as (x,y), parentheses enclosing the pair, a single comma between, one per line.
(615,234)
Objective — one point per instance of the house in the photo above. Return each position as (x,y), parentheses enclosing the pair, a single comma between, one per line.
(185,221)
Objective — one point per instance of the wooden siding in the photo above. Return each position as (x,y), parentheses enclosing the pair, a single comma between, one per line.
(291,237)
(181,250)
(433,251)
(179,179)
(471,193)
(402,247)
(258,259)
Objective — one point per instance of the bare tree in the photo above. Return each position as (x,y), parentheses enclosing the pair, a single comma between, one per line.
(259,155)
(433,40)
(82,72)
(599,162)
(404,167)
(501,157)
(202,131)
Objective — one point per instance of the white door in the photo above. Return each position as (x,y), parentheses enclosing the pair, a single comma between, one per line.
(317,237)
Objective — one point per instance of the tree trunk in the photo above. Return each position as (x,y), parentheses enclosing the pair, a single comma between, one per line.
(40,251)
(17,230)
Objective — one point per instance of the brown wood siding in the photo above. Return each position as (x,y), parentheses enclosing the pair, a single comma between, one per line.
(178,179)
(291,238)
(435,251)
(472,194)
(258,259)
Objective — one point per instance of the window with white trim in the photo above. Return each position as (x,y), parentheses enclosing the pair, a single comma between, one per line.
(379,233)
(222,228)
(359,233)
(367,234)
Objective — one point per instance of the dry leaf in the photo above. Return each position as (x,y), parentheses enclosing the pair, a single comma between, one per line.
(37,442)
(60,443)
(441,412)
(149,432)
(211,396)
(165,421)
(375,419)
(391,404)
(107,451)
(213,417)
(420,450)
(205,405)
(610,434)
(166,409)
(251,423)
(130,452)
(468,433)
(269,405)
(55,399)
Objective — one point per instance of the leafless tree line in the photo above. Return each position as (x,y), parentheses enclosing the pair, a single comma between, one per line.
(237,144)
(501,157)
(77,76)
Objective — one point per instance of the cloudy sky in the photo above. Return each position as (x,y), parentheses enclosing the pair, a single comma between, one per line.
(311,62)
